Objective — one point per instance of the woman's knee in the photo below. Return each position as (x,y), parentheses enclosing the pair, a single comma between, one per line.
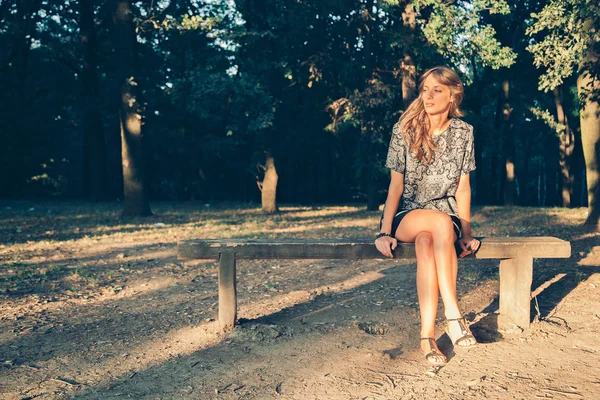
(444,227)
(424,249)
(424,240)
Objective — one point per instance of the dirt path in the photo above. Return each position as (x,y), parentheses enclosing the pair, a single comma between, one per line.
(94,307)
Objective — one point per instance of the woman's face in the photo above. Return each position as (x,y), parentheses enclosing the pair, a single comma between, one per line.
(436,96)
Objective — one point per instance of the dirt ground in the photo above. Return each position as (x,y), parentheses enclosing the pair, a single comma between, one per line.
(95,307)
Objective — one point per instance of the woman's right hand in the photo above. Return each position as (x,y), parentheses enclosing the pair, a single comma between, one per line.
(385,245)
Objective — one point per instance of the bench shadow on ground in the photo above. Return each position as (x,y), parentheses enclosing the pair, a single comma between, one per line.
(300,322)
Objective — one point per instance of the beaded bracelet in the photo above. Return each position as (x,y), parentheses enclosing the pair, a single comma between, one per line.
(382,234)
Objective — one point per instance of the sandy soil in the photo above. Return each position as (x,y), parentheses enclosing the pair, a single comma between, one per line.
(94,307)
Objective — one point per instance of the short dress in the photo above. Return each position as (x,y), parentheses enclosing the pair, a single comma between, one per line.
(433,186)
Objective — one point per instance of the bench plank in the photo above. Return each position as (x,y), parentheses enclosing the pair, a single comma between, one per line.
(492,247)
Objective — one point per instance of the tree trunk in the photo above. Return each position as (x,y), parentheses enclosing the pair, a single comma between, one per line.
(493,187)
(94,151)
(508,148)
(130,117)
(255,14)
(588,87)
(324,182)
(524,198)
(371,177)
(16,66)
(565,149)
(579,197)
(407,64)
(372,193)
(590,140)
(481,184)
(268,187)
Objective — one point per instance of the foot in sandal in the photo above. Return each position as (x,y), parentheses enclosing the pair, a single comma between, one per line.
(459,333)
(433,355)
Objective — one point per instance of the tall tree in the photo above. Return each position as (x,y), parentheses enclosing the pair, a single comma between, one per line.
(505,123)
(509,30)
(130,114)
(588,87)
(568,43)
(94,148)
(407,64)
(567,145)
(260,55)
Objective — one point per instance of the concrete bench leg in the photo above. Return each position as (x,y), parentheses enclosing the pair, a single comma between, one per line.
(227,291)
(515,292)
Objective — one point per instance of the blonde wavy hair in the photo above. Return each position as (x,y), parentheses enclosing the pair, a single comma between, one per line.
(414,122)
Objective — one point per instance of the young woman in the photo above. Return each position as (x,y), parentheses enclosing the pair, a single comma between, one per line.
(429,200)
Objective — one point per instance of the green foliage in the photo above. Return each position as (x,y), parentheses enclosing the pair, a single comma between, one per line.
(197,22)
(456,29)
(562,38)
(548,119)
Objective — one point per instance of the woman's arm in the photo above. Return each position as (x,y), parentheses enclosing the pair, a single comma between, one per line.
(386,244)
(395,191)
(463,200)
(396,162)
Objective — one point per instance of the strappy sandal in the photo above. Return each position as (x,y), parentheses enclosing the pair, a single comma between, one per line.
(429,356)
(466,334)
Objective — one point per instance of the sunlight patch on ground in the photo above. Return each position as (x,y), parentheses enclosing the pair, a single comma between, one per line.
(307,212)
(592,258)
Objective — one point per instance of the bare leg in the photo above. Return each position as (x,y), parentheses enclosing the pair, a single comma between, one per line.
(427,288)
(446,264)
(439,226)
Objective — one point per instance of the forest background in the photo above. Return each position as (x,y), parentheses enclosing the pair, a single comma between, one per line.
(290,101)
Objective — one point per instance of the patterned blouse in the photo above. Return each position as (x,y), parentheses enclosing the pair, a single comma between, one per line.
(433,186)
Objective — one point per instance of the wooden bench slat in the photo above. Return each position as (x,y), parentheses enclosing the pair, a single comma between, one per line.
(492,247)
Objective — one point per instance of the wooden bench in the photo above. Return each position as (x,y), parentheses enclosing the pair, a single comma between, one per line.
(516,264)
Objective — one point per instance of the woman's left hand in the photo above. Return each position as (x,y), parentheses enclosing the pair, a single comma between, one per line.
(468,245)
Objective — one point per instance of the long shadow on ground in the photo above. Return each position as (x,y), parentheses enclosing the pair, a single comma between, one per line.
(314,320)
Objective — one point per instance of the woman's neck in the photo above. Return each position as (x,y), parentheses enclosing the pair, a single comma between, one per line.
(438,123)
